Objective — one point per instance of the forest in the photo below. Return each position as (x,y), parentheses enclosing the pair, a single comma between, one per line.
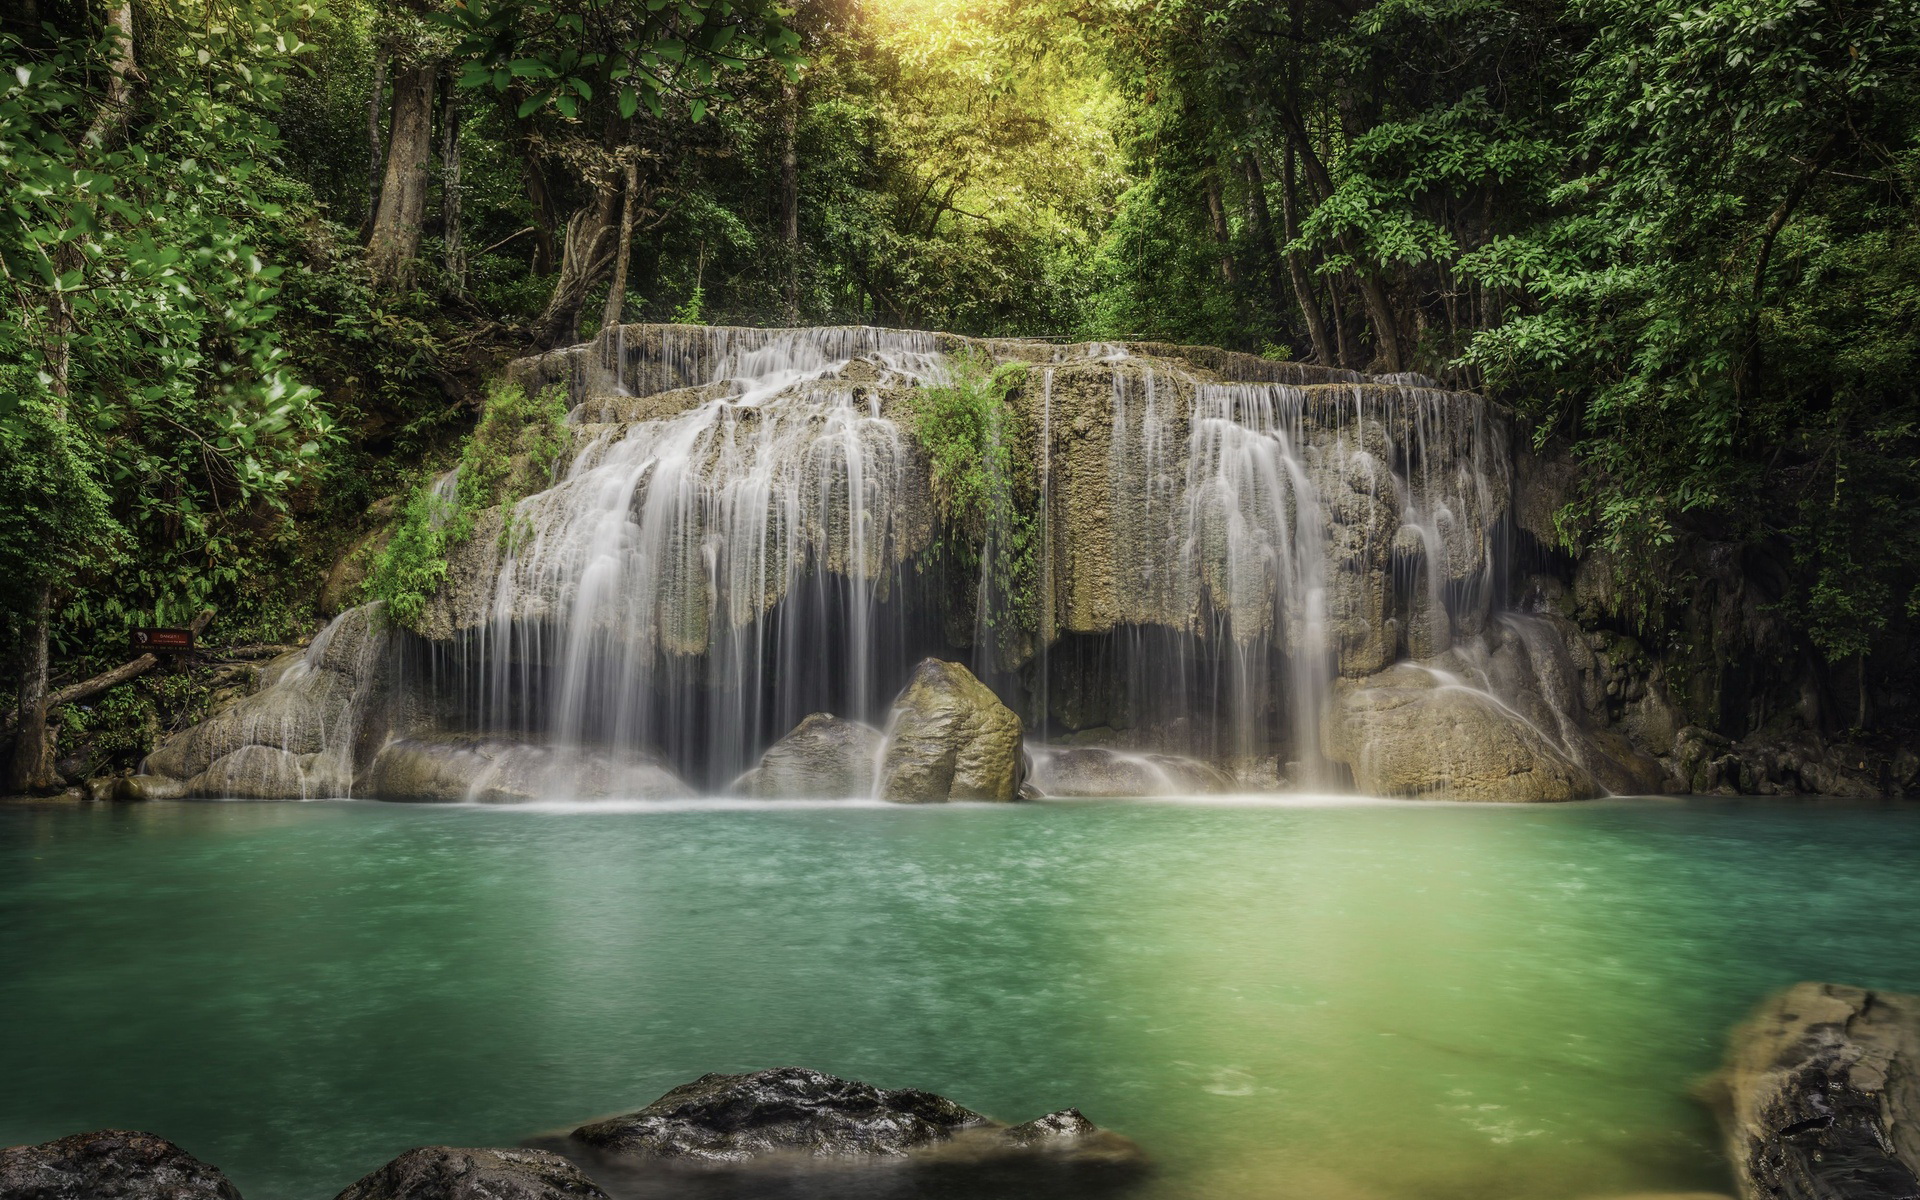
(263,261)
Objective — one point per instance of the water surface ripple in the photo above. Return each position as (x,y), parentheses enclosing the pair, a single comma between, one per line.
(1336,1002)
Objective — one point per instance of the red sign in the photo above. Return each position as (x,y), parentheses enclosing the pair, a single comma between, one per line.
(162,641)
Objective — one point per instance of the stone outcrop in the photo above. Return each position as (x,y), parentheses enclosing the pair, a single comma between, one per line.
(482,770)
(791,1116)
(950,738)
(825,757)
(1407,731)
(446,1173)
(300,735)
(1099,771)
(787,1110)
(109,1164)
(1820,1097)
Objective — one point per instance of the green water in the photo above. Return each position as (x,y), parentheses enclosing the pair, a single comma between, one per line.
(1344,1002)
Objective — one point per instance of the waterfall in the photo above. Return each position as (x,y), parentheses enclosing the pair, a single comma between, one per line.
(742,533)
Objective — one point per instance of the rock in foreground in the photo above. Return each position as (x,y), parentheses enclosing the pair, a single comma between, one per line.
(734,1118)
(839,1129)
(950,739)
(824,758)
(445,1173)
(1820,1098)
(109,1164)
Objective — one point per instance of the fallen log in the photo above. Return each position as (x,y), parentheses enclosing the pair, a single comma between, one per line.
(106,680)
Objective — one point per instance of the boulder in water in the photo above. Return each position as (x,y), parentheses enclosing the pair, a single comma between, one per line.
(1820,1097)
(109,1164)
(1407,731)
(950,739)
(1099,771)
(445,1173)
(787,1110)
(825,757)
(483,770)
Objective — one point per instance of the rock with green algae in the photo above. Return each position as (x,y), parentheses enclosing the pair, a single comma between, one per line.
(447,1173)
(109,1164)
(950,738)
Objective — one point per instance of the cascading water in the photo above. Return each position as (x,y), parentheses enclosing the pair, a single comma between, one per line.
(744,533)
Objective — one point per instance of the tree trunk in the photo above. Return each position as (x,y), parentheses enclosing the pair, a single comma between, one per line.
(1217,211)
(588,252)
(540,198)
(118,105)
(395,242)
(450,184)
(1386,338)
(1297,269)
(790,195)
(376,148)
(32,767)
(617,294)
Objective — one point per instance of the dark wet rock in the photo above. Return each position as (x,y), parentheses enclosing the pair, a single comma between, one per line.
(795,1134)
(825,757)
(446,1173)
(109,1164)
(950,738)
(733,1118)
(1820,1097)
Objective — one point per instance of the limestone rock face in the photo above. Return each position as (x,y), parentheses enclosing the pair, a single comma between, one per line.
(825,757)
(297,737)
(735,1118)
(1405,732)
(1099,771)
(950,738)
(480,770)
(1820,1097)
(444,1173)
(109,1164)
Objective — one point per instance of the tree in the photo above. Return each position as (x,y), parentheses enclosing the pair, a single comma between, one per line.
(150,407)
(593,65)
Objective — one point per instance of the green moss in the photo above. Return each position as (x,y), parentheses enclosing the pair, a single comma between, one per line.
(510,456)
(984,490)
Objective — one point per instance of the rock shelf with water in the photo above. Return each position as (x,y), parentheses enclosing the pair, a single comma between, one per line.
(1230,554)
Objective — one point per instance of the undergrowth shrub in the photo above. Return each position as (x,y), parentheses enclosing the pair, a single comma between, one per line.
(510,456)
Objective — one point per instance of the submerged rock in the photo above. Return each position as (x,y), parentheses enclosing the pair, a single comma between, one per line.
(790,1110)
(446,1173)
(483,770)
(1820,1097)
(1099,771)
(1408,732)
(825,757)
(950,739)
(109,1164)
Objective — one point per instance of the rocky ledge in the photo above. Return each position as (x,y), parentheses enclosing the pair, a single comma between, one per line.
(1820,1097)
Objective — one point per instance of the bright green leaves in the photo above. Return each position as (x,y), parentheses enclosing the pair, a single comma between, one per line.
(563,54)
(141,312)
(511,455)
